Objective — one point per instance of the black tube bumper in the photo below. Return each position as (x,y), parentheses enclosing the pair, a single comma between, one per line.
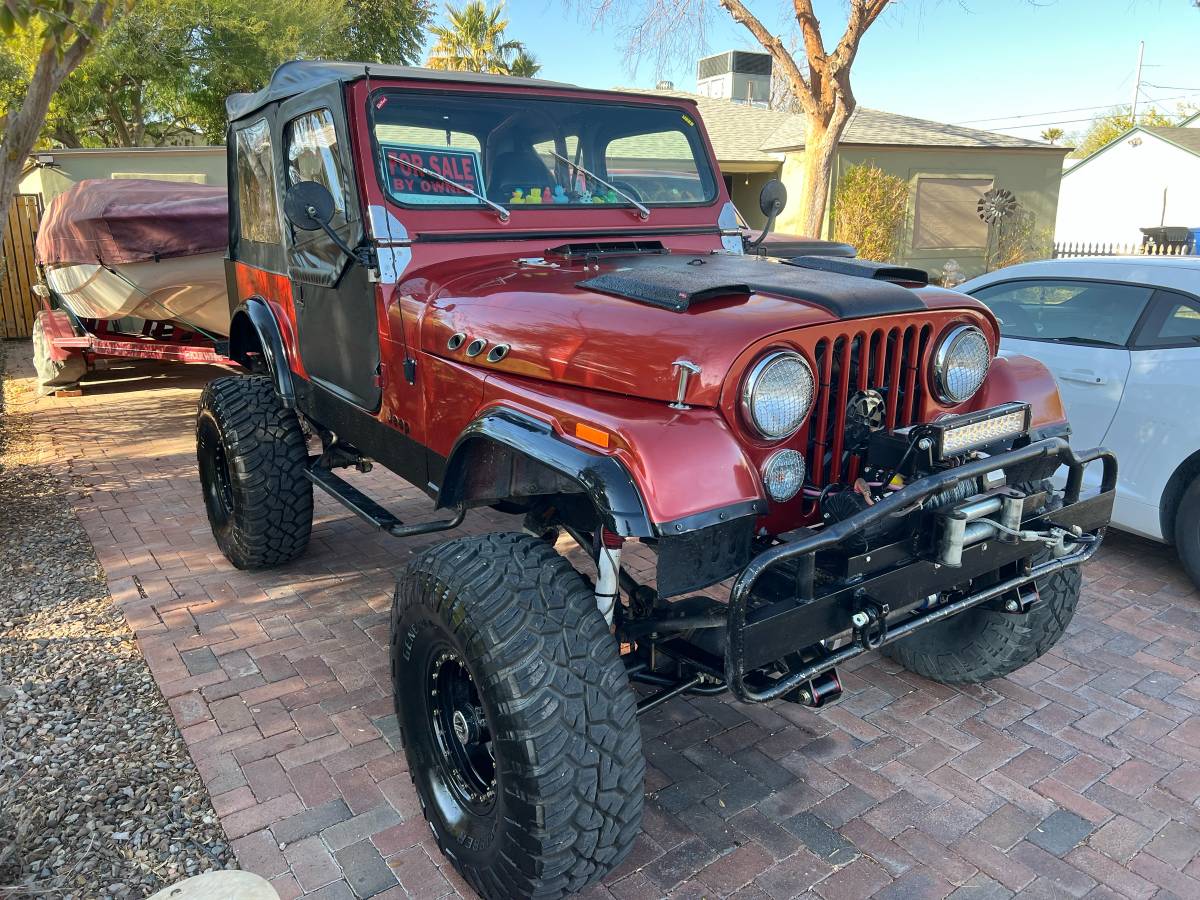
(773,630)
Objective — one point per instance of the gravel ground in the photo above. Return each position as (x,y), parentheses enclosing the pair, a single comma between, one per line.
(98,795)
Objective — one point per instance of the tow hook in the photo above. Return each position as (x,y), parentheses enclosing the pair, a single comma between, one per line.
(824,689)
(870,622)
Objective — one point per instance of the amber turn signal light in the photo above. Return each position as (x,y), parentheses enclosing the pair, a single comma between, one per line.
(591,435)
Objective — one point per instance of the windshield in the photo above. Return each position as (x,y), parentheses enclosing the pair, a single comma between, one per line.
(521,152)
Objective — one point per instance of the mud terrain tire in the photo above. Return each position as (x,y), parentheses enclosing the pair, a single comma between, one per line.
(502,629)
(252,456)
(983,643)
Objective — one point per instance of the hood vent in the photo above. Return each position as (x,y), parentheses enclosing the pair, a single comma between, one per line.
(598,249)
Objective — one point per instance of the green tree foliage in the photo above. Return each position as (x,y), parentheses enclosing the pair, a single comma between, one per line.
(1114,123)
(1052,135)
(60,34)
(869,210)
(524,65)
(165,67)
(473,40)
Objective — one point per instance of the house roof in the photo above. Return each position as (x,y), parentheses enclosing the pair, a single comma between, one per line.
(874,126)
(743,133)
(1185,138)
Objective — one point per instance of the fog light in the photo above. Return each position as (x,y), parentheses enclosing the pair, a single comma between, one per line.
(958,434)
(783,475)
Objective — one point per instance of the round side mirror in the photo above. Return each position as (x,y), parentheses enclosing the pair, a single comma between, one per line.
(308,205)
(773,198)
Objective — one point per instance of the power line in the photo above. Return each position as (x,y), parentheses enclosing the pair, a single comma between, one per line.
(1050,112)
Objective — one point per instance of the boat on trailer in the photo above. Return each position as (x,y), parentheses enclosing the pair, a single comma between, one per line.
(132,268)
(121,248)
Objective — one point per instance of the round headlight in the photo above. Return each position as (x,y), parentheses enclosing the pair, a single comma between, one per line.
(783,475)
(777,394)
(960,364)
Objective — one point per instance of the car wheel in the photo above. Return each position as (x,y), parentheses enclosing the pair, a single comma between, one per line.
(252,455)
(517,717)
(1187,531)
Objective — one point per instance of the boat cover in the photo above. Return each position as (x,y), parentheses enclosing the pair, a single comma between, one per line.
(126,220)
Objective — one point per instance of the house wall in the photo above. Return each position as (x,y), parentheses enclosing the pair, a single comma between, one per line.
(1033,176)
(204,165)
(1123,188)
(746,186)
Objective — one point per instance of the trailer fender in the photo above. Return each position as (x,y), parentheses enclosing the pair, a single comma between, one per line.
(504,453)
(253,329)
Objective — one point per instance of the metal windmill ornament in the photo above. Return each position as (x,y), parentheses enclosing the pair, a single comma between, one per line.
(996,204)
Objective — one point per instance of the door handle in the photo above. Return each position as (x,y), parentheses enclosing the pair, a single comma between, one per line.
(1083,376)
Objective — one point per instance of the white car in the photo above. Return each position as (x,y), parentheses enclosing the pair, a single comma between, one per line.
(1122,336)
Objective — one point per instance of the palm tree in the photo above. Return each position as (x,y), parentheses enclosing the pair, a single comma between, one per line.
(472,40)
(1052,135)
(524,64)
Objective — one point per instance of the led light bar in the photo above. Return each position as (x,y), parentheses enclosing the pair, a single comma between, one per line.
(956,435)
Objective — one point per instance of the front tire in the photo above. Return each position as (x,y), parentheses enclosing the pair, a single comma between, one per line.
(984,643)
(252,456)
(1187,531)
(517,717)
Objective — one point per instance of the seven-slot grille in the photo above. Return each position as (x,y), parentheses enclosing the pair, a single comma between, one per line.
(887,360)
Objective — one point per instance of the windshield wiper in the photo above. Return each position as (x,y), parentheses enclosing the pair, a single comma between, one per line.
(643,212)
(1091,342)
(429,173)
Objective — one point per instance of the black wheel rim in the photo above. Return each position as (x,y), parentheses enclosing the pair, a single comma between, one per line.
(464,766)
(214,473)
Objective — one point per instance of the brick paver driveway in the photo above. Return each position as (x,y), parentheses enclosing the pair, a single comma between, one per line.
(1078,776)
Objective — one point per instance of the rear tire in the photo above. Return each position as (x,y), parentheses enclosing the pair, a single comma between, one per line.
(984,643)
(54,374)
(252,456)
(1187,531)
(517,717)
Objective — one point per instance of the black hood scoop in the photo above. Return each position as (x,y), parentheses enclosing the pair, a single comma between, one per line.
(857,288)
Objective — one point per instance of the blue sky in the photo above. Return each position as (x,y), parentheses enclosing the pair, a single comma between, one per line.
(959,61)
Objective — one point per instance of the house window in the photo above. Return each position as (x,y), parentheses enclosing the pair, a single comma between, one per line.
(312,155)
(258,213)
(947,214)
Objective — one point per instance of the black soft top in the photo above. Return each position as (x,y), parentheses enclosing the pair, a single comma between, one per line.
(301,75)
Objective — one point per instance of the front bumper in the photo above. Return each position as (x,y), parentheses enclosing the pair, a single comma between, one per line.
(777,610)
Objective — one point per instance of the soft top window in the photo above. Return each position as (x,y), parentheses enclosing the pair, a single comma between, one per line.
(258,213)
(528,152)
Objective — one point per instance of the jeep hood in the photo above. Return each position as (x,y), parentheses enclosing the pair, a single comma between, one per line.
(587,324)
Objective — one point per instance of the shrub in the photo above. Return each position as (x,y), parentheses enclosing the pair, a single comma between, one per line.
(869,211)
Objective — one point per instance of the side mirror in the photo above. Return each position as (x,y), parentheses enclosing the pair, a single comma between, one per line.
(771,200)
(308,205)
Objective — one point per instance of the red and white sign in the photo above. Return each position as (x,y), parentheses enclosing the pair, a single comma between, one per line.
(409,184)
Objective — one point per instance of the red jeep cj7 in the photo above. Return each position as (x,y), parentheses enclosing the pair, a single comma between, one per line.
(524,295)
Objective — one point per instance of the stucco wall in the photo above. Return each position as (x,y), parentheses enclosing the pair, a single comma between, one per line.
(1120,190)
(1033,175)
(203,164)
(745,195)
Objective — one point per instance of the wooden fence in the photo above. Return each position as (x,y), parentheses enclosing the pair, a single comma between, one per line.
(18,269)
(1084,248)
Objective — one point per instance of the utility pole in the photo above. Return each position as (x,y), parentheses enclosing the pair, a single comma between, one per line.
(1137,83)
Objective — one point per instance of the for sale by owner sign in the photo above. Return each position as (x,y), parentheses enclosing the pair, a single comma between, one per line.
(409,179)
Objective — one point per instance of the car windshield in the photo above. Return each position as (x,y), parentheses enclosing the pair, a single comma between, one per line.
(521,152)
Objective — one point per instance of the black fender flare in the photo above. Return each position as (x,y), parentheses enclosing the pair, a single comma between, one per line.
(253,326)
(604,479)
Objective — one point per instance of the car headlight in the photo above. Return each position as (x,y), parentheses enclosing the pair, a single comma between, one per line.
(783,475)
(961,364)
(777,394)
